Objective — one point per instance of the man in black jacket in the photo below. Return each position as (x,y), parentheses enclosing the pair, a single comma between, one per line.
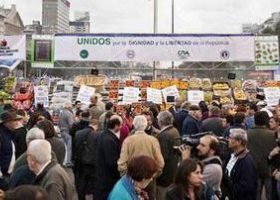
(241,176)
(8,123)
(108,153)
(84,159)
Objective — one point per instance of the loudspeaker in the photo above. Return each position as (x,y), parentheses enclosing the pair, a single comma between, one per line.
(94,72)
(231,76)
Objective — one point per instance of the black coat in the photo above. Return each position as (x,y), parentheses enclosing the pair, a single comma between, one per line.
(19,140)
(6,149)
(179,119)
(107,174)
(86,146)
(242,182)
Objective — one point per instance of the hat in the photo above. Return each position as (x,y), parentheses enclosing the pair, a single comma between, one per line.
(261,103)
(10,115)
(194,108)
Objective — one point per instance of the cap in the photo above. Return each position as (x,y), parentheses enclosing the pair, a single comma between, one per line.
(9,115)
(261,103)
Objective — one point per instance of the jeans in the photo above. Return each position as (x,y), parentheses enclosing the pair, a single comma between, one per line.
(68,142)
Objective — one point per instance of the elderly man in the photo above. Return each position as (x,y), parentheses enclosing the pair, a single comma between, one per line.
(214,122)
(95,107)
(49,174)
(168,137)
(240,178)
(8,123)
(66,120)
(108,153)
(22,175)
(191,124)
(140,143)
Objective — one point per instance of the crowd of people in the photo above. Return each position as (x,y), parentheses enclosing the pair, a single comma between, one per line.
(196,152)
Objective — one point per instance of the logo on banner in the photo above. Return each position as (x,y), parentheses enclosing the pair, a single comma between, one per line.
(225,54)
(183,54)
(84,54)
(3,43)
(130,54)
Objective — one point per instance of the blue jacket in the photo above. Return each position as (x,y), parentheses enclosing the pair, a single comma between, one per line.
(242,182)
(6,148)
(190,126)
(124,189)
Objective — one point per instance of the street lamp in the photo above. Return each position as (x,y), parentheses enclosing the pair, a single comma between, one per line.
(155,31)
(172,31)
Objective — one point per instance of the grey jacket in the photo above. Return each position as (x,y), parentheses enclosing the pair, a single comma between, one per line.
(56,182)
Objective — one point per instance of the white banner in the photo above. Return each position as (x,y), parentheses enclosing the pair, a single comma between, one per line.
(195,96)
(170,91)
(154,47)
(272,95)
(41,95)
(85,93)
(12,47)
(130,95)
(154,95)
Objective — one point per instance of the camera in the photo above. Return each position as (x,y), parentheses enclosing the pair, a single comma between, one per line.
(192,141)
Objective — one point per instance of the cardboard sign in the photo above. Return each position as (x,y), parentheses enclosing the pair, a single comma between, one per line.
(170,91)
(272,95)
(154,95)
(85,93)
(130,95)
(195,96)
(41,95)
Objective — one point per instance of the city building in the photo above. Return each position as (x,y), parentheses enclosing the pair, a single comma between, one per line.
(258,28)
(55,16)
(250,28)
(272,21)
(81,23)
(34,28)
(10,21)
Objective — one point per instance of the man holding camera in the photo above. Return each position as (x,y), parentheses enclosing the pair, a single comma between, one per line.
(208,151)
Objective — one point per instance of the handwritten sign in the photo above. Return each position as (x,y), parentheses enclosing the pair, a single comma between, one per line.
(130,95)
(170,91)
(272,95)
(195,96)
(85,93)
(41,95)
(154,95)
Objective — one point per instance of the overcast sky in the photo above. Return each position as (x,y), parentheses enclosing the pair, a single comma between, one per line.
(136,16)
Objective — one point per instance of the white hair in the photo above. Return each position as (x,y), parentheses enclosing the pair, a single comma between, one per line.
(165,117)
(67,104)
(40,150)
(140,122)
(33,134)
(116,117)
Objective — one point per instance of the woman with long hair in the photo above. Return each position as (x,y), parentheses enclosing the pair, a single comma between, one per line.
(188,183)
